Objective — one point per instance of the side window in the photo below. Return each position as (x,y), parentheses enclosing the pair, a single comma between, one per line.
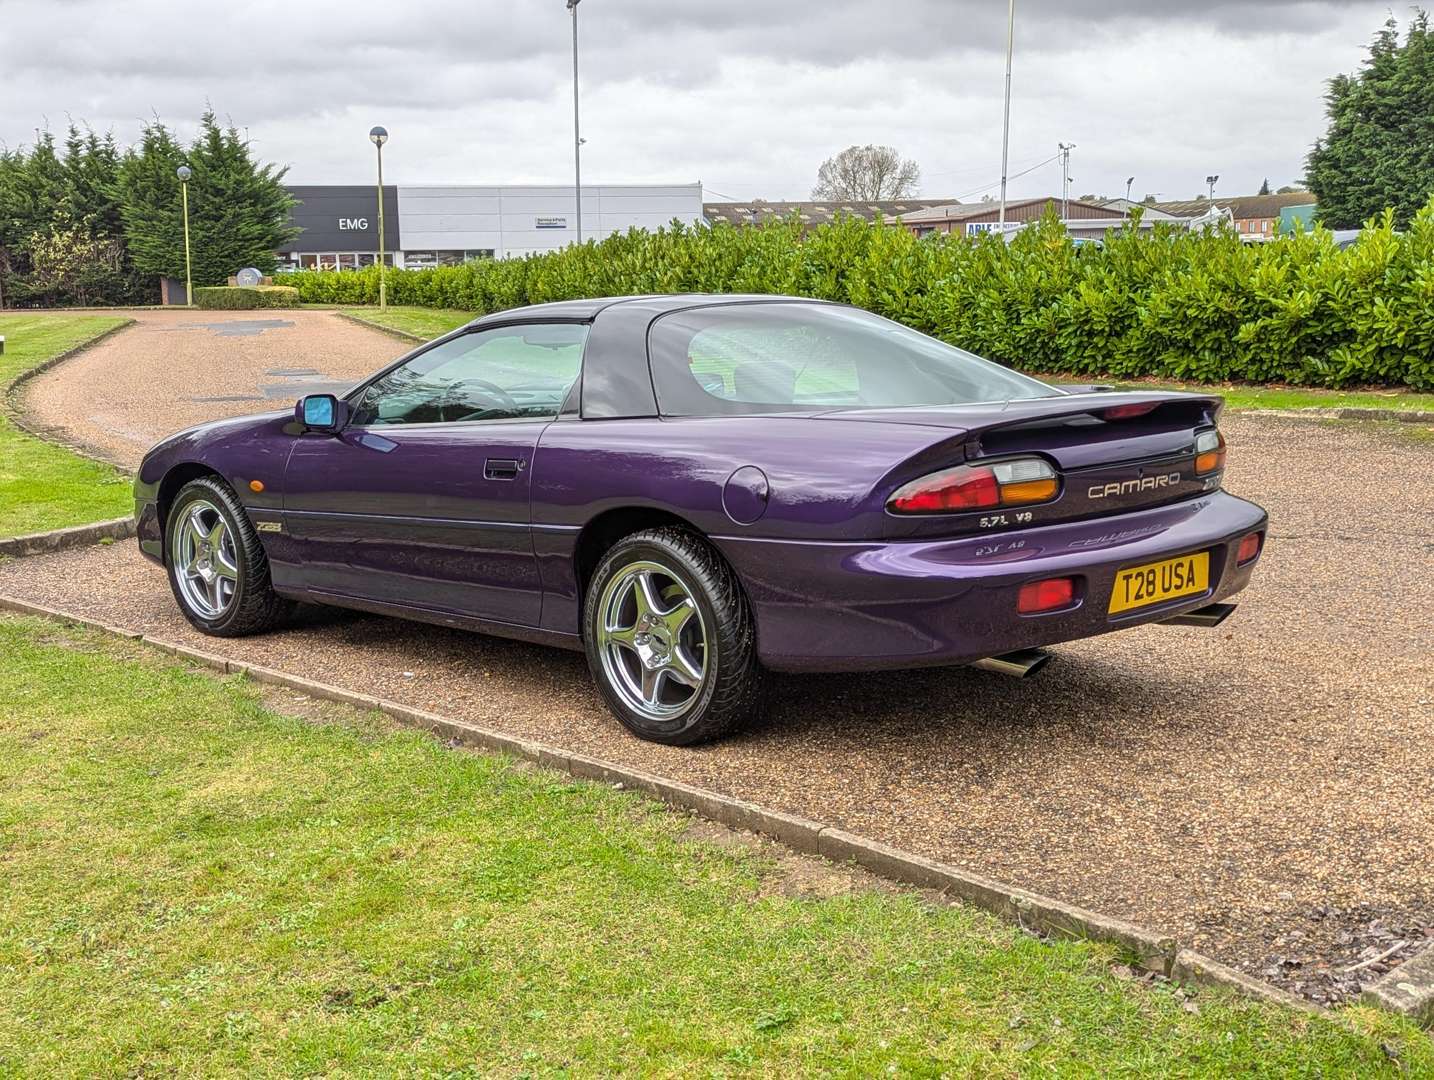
(508,373)
(768,365)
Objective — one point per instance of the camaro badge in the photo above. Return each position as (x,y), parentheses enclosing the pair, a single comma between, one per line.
(1145,483)
(270,526)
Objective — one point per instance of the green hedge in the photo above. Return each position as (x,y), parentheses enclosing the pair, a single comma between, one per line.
(1172,304)
(246,298)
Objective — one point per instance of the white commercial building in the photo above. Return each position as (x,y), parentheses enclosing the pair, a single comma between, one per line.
(447,224)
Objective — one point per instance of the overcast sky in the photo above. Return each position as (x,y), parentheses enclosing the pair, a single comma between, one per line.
(747,96)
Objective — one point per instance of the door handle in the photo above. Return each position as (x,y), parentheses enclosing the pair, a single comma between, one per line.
(501,468)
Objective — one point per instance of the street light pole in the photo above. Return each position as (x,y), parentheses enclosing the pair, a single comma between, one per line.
(1128,185)
(184,173)
(378,136)
(1066,149)
(1212,181)
(1006,126)
(577,136)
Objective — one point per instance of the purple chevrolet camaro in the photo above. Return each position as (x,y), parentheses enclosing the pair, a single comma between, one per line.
(696,490)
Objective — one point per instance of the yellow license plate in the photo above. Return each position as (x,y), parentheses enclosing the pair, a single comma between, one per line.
(1139,586)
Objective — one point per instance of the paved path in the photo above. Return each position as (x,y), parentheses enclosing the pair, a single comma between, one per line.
(176,368)
(1262,790)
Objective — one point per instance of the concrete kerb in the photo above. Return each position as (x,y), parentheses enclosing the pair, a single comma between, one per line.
(1054,918)
(24,607)
(1402,416)
(54,361)
(391,331)
(1194,969)
(1405,416)
(1408,989)
(19,547)
(1154,952)
(16,415)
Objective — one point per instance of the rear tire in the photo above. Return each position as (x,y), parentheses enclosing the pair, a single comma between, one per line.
(218,571)
(670,639)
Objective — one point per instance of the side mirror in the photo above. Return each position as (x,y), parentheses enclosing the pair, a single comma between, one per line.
(322,412)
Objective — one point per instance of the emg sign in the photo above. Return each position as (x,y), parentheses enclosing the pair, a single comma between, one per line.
(353,224)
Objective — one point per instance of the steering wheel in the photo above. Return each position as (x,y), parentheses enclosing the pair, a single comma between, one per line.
(497,393)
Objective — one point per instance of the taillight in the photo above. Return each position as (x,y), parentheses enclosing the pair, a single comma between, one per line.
(1249,549)
(1053,594)
(978,487)
(1209,452)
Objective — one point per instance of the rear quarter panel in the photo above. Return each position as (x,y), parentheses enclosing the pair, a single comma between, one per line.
(825,481)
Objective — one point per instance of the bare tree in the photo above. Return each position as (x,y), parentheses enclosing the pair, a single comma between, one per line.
(867,173)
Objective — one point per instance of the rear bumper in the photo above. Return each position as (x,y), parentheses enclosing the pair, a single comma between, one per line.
(875,606)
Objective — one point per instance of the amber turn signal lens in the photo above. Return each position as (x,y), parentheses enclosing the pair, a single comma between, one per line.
(1028,491)
(1209,452)
(1016,482)
(256,485)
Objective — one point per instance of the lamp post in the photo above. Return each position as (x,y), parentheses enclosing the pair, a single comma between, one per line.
(1128,184)
(1066,149)
(1212,181)
(378,136)
(1006,125)
(577,136)
(184,173)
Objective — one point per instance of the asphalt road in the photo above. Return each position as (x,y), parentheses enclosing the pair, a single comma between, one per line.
(1262,790)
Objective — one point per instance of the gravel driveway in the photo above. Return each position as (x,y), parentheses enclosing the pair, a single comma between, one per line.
(1261,790)
(175,368)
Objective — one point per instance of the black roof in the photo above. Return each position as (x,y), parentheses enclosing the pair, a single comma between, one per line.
(616,379)
(654,303)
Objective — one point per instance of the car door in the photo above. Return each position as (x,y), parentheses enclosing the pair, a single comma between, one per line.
(423,499)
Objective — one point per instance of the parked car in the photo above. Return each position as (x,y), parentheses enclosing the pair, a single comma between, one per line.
(696,490)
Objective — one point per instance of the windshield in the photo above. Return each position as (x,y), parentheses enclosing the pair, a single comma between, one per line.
(768,357)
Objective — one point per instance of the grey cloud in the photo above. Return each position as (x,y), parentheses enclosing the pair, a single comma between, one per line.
(751,93)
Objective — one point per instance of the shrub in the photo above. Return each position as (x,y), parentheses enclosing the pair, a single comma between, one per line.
(1169,303)
(246,298)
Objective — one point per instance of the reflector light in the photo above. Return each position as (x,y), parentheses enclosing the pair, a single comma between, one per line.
(1249,549)
(1049,595)
(978,487)
(1127,412)
(1209,452)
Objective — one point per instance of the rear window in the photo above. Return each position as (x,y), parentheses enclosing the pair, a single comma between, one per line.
(784,357)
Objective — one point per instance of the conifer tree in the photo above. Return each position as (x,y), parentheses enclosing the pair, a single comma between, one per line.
(238,209)
(1379,149)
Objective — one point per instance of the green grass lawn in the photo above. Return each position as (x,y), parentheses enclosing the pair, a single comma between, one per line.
(431,322)
(194,884)
(1241,396)
(419,321)
(43,486)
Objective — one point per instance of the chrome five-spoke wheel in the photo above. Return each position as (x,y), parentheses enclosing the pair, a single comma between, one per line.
(652,641)
(205,561)
(670,639)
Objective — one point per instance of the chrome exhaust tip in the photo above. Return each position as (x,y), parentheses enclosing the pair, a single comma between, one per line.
(1213,615)
(1019,665)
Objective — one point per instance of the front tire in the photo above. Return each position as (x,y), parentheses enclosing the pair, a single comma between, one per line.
(218,571)
(670,639)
